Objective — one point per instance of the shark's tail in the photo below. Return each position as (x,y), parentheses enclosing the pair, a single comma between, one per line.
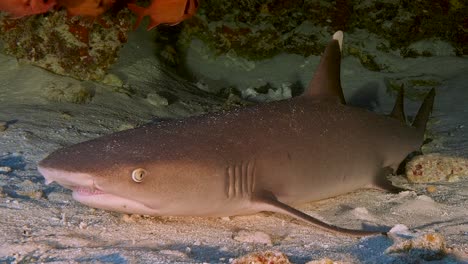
(420,121)
(268,202)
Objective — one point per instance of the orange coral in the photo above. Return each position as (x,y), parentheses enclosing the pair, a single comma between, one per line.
(169,12)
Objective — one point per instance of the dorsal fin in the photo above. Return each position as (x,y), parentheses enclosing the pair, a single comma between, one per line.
(326,82)
(425,110)
(398,111)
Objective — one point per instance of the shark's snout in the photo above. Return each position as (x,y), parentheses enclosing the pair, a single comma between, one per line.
(87,192)
(65,178)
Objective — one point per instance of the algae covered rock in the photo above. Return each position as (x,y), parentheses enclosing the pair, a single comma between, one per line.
(77,47)
(436,168)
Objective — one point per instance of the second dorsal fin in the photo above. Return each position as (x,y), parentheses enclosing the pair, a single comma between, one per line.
(420,121)
(326,82)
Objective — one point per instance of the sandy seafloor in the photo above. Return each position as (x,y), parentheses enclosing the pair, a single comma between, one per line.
(40,223)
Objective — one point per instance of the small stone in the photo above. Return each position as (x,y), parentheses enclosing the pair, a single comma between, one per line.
(256,237)
(64,219)
(173,253)
(83,225)
(68,90)
(156,100)
(202,86)
(399,229)
(324,261)
(431,189)
(224,249)
(266,257)
(431,246)
(3,126)
(125,126)
(5,169)
(363,213)
(132,218)
(112,80)
(406,194)
(66,115)
(59,197)
(37,194)
(26,231)
(425,198)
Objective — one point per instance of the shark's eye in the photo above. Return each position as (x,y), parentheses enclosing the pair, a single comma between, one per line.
(138,175)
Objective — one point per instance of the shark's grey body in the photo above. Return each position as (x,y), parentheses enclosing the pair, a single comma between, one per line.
(261,158)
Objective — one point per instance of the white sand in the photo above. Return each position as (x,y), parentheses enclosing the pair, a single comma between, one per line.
(40,223)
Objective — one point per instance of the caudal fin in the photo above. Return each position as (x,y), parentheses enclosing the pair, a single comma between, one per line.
(420,121)
(398,111)
(326,82)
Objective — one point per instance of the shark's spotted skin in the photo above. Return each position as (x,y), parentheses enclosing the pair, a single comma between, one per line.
(266,157)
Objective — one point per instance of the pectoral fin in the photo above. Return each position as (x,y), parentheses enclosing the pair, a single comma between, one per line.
(382,183)
(268,202)
(385,184)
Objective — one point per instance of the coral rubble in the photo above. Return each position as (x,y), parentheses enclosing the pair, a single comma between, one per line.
(76,47)
(435,168)
(263,258)
(261,29)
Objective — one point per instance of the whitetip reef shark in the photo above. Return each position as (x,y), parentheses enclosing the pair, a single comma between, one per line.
(266,157)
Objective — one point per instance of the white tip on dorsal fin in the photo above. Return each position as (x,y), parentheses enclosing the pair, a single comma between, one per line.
(339,37)
(326,84)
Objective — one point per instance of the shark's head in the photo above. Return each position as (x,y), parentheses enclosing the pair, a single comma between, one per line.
(126,172)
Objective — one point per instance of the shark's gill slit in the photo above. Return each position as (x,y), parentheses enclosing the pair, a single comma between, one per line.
(245,181)
(240,180)
(229,180)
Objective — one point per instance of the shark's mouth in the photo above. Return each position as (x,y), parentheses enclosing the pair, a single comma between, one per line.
(82,190)
(87,192)
(99,199)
